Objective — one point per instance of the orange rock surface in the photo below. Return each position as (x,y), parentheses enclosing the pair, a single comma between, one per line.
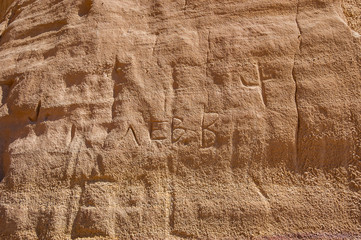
(180,119)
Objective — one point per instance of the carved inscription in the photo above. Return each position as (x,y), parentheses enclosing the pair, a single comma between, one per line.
(174,131)
(208,129)
(158,130)
(130,131)
(177,130)
(250,75)
(265,75)
(257,75)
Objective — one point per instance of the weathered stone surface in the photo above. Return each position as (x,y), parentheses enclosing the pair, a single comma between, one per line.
(180,119)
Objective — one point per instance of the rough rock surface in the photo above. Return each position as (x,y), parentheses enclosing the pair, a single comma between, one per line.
(172,119)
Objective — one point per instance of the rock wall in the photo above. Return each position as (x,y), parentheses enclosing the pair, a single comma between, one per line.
(197,119)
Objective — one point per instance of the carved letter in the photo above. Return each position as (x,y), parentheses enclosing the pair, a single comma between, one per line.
(208,132)
(177,130)
(131,131)
(158,130)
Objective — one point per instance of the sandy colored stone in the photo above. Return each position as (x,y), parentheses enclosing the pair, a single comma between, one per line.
(192,119)
(352,12)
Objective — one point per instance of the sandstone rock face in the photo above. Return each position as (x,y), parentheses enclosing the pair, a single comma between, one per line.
(172,119)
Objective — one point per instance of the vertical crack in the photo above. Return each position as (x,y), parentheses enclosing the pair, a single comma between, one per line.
(171,195)
(172,208)
(295,81)
(2,168)
(208,52)
(35,119)
(207,63)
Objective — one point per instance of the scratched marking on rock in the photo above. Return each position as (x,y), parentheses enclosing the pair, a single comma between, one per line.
(132,132)
(177,130)
(158,130)
(208,129)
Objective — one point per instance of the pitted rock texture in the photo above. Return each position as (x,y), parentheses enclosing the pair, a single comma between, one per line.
(352,11)
(184,119)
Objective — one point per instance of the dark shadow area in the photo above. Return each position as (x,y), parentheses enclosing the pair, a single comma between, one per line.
(4,158)
(2,165)
(85,8)
(1,170)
